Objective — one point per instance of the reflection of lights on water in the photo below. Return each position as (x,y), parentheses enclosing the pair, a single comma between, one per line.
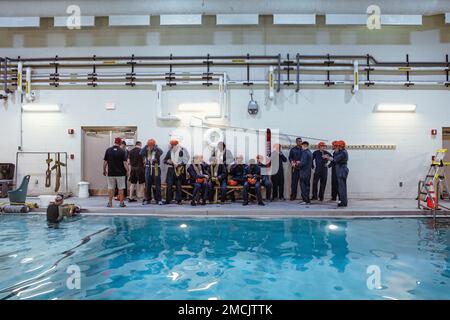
(390,298)
(417,282)
(174,276)
(183,225)
(213,298)
(26,260)
(332,227)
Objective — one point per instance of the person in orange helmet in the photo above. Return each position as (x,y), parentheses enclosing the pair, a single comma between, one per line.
(176,158)
(151,154)
(320,166)
(340,162)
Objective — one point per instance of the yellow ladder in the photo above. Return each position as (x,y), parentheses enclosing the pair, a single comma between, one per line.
(436,177)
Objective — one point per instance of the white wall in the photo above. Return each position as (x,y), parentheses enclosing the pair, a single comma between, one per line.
(324,113)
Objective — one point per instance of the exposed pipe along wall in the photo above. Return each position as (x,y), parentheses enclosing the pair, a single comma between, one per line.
(312,94)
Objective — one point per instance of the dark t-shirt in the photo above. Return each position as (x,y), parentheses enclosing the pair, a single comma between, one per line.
(135,157)
(115,157)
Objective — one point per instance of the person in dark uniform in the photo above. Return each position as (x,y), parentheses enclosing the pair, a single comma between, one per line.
(320,166)
(198,177)
(265,178)
(252,179)
(305,168)
(340,162)
(237,174)
(176,159)
(295,155)
(334,183)
(305,172)
(137,172)
(278,177)
(217,173)
(151,154)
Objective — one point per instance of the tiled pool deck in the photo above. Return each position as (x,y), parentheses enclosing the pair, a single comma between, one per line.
(356,208)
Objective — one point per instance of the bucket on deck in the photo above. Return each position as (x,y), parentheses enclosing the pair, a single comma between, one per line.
(83,189)
(45,200)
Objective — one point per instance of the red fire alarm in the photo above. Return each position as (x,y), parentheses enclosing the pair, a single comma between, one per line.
(70,131)
(433,158)
(72,156)
(434,132)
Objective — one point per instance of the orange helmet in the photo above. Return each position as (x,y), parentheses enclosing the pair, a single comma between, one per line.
(151,142)
(340,143)
(252,181)
(322,144)
(200,180)
(173,142)
(232,182)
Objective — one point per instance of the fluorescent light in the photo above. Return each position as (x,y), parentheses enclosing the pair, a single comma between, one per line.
(387,107)
(129,20)
(294,19)
(237,19)
(20,22)
(332,227)
(183,226)
(198,107)
(37,107)
(180,19)
(85,21)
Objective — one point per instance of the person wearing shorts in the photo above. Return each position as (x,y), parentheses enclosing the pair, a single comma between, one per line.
(115,168)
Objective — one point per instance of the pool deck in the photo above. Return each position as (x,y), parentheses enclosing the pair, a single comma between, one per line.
(356,208)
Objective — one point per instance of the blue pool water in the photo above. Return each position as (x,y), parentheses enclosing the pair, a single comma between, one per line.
(208,258)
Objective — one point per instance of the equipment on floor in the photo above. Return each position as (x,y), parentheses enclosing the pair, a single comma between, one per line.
(19,196)
(434,187)
(6,178)
(16,209)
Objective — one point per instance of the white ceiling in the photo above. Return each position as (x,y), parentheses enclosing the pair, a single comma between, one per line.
(50,8)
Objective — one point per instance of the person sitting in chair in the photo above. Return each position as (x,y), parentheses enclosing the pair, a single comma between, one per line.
(237,174)
(217,178)
(198,173)
(57,210)
(253,179)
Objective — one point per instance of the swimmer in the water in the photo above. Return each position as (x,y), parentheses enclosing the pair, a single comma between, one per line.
(57,210)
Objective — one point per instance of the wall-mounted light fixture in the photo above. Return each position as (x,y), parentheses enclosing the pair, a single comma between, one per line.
(38,107)
(199,107)
(395,108)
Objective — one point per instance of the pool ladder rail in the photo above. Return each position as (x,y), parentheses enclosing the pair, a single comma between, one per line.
(435,185)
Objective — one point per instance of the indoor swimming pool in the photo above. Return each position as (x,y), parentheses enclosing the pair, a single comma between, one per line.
(101,257)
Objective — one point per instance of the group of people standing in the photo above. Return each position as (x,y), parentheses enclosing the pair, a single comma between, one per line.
(223,172)
(303,161)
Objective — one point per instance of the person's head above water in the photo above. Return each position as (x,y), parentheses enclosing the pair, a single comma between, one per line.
(59,199)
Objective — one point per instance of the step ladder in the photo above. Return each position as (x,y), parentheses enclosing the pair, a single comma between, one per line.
(434,182)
